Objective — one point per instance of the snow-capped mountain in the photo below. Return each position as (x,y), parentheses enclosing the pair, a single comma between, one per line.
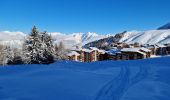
(69,40)
(162,36)
(76,39)
(147,37)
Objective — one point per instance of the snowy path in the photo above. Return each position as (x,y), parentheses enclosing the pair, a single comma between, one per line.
(116,88)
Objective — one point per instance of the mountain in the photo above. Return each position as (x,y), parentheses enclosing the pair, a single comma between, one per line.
(147,37)
(93,39)
(76,39)
(16,39)
(166,26)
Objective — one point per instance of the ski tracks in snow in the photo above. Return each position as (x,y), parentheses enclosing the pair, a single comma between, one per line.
(116,88)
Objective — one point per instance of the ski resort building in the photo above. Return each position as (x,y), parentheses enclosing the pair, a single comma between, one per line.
(73,55)
(92,54)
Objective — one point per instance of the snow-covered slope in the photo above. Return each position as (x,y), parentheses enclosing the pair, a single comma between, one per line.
(108,80)
(76,39)
(69,40)
(147,37)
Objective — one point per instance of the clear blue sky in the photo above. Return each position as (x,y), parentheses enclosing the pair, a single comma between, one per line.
(68,16)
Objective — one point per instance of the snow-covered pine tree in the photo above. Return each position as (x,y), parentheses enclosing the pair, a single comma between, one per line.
(38,48)
(48,48)
(32,44)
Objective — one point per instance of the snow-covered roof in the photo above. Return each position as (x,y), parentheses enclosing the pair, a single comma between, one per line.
(130,49)
(72,53)
(113,51)
(160,45)
(87,50)
(93,48)
(133,50)
(102,51)
(145,49)
(151,46)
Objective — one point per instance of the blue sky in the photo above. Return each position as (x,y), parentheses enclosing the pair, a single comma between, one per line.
(68,16)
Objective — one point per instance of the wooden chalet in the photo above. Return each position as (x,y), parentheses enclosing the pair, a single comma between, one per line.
(133,53)
(73,55)
(161,50)
(168,48)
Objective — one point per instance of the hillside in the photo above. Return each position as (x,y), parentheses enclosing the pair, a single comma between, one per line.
(162,36)
(109,80)
(76,39)
(147,37)
(69,40)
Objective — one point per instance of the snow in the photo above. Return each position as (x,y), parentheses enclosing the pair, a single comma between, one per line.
(160,45)
(113,51)
(71,53)
(107,80)
(147,37)
(94,48)
(133,50)
(102,51)
(145,49)
(79,39)
(76,39)
(87,50)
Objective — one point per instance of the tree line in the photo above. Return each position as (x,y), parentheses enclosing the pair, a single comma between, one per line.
(38,48)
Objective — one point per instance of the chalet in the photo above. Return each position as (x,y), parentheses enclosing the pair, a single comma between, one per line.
(162,49)
(168,48)
(145,50)
(133,53)
(81,54)
(153,49)
(95,53)
(73,55)
(88,55)
(121,45)
(113,54)
(102,55)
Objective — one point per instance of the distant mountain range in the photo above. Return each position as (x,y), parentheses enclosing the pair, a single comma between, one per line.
(76,39)
(147,37)
(161,35)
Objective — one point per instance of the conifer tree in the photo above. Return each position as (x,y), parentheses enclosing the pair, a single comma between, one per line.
(38,48)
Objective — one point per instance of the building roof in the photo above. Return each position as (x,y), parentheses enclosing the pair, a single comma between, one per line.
(133,50)
(160,45)
(87,50)
(93,48)
(102,51)
(113,51)
(72,53)
(130,49)
(145,49)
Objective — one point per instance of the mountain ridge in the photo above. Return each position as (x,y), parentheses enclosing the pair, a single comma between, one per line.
(161,35)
